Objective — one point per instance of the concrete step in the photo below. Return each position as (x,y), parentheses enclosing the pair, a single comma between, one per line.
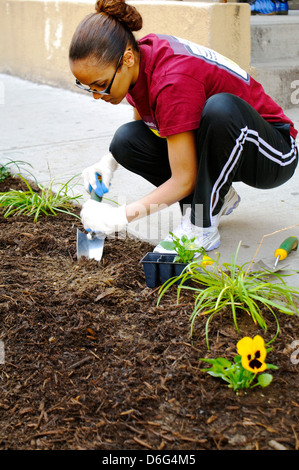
(280,81)
(275,37)
(275,56)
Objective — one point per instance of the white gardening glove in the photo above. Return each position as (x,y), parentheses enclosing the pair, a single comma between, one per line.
(103,169)
(103,218)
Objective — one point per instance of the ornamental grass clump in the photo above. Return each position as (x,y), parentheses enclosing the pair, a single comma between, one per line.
(247,366)
(5,168)
(219,287)
(44,202)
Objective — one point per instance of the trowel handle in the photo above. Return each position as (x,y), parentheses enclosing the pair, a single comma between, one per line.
(97,193)
(95,197)
(289,244)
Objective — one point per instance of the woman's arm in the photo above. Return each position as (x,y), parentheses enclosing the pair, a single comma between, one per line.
(183,164)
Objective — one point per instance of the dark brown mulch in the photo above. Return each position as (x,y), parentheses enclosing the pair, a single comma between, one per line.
(91,361)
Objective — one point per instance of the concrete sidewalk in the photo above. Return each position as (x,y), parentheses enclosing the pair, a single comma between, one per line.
(60,132)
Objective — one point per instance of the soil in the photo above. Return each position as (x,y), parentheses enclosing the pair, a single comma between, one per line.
(92,363)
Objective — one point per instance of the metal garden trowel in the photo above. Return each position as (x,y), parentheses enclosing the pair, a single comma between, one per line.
(89,244)
(277,263)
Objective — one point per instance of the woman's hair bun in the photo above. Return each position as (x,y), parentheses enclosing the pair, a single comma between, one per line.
(118,9)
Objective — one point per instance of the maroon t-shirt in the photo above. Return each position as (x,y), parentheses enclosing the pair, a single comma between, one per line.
(176,77)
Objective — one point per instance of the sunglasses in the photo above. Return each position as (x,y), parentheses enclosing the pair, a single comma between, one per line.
(107,89)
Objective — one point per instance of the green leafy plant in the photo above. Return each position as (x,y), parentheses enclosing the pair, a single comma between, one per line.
(43,202)
(245,371)
(231,286)
(5,168)
(184,247)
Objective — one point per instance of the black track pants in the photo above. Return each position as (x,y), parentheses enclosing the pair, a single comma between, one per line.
(234,143)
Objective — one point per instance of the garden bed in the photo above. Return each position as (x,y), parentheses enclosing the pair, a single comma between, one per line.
(91,361)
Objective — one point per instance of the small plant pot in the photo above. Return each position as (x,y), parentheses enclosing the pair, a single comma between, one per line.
(159,268)
(178,268)
(151,269)
(166,267)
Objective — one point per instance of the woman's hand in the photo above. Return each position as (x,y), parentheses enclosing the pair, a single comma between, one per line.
(104,169)
(103,218)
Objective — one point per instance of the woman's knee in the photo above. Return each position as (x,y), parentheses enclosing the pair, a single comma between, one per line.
(221,108)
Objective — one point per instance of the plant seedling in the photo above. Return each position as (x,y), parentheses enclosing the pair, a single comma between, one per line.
(247,366)
(184,247)
(5,168)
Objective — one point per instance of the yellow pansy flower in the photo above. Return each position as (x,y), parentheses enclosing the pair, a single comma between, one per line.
(253,353)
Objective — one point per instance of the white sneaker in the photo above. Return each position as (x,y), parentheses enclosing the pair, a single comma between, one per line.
(185,228)
(231,202)
(207,237)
